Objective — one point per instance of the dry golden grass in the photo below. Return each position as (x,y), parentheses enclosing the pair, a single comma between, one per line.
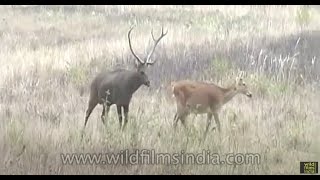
(49,55)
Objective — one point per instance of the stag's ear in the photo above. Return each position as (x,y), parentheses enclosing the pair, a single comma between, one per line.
(150,63)
(136,64)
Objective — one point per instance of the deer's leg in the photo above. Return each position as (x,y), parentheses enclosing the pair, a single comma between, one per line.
(178,117)
(216,118)
(91,105)
(194,117)
(180,114)
(183,118)
(175,120)
(119,114)
(209,118)
(125,111)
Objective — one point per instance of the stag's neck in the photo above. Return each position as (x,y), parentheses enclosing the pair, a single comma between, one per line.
(135,87)
(228,94)
(134,84)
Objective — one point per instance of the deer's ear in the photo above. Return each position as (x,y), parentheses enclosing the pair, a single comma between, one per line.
(236,80)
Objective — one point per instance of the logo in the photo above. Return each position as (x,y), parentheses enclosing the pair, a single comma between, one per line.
(309,167)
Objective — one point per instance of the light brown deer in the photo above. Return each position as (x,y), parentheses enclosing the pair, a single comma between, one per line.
(118,86)
(181,91)
(200,98)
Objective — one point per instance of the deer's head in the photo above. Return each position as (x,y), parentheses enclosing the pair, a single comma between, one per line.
(241,87)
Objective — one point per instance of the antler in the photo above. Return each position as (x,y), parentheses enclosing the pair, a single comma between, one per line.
(134,54)
(155,45)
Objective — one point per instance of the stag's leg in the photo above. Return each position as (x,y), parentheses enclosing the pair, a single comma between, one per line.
(119,114)
(125,111)
(209,118)
(105,112)
(216,118)
(92,104)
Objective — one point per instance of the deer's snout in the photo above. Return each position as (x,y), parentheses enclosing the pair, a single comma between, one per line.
(147,83)
(249,94)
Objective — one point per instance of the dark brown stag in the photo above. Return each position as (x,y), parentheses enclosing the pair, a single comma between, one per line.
(118,86)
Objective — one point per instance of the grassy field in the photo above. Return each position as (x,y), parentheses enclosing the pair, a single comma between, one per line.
(49,55)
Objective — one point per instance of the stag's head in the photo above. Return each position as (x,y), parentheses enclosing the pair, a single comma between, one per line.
(141,65)
(241,87)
